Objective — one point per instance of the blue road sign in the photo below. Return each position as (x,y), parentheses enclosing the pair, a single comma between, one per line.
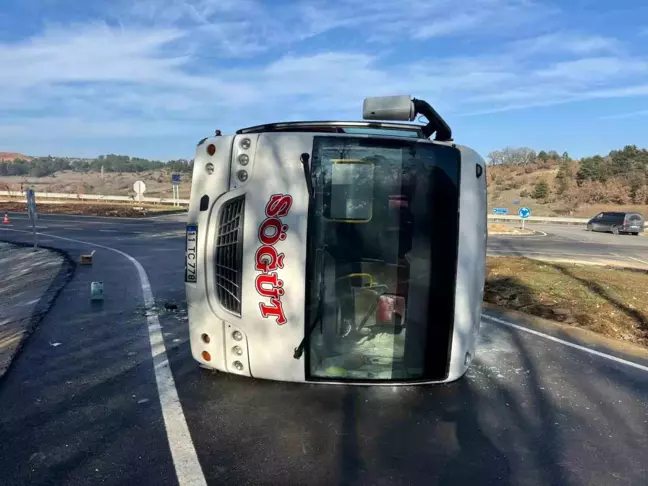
(500,210)
(524,212)
(175,178)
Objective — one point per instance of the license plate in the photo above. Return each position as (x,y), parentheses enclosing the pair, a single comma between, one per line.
(191,254)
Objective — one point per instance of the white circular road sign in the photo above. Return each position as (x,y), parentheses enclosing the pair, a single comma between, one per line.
(139,187)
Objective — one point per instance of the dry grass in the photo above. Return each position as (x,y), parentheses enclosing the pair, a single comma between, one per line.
(90,208)
(499,228)
(610,301)
(496,228)
(506,184)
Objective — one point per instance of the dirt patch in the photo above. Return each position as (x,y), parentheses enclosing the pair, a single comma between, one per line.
(610,301)
(89,209)
(503,229)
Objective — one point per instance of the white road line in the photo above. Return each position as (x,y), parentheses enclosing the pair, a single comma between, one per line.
(638,260)
(183,451)
(630,258)
(549,253)
(109,231)
(70,218)
(567,343)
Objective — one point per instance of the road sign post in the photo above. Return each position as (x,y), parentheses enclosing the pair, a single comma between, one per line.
(31,211)
(524,212)
(175,185)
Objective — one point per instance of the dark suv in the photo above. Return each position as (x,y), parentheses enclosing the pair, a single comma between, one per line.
(617,223)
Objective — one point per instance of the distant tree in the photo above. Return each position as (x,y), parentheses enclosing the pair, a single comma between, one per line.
(512,156)
(566,157)
(542,155)
(541,190)
(553,155)
(563,176)
(628,159)
(593,169)
(637,190)
(640,195)
(616,192)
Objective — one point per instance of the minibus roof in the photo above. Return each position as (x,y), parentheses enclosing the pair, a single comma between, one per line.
(350,127)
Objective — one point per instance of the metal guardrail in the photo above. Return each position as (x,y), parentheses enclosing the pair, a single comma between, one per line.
(549,219)
(96,197)
(542,219)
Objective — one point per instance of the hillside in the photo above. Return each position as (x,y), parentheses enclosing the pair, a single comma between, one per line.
(106,174)
(11,156)
(549,183)
(158,183)
(553,185)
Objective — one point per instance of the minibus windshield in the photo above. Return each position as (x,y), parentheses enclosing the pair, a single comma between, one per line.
(383,231)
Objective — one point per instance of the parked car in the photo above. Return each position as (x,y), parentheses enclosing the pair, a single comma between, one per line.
(617,223)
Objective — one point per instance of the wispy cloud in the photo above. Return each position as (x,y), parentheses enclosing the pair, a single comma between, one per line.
(631,114)
(568,42)
(147,67)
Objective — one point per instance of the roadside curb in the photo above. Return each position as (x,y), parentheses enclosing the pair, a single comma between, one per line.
(523,235)
(58,283)
(583,337)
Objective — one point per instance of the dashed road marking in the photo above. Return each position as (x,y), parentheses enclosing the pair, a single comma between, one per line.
(567,343)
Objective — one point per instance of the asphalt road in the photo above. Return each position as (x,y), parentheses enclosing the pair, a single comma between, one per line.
(530,411)
(569,242)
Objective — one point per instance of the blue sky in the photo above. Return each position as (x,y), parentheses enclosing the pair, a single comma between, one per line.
(150,78)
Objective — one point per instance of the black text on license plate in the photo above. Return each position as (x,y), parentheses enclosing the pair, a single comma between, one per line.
(191,254)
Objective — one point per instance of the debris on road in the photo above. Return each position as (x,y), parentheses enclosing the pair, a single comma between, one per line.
(86,259)
(96,291)
(170,306)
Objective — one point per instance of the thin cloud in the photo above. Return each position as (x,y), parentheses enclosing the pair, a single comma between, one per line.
(631,114)
(195,64)
(571,43)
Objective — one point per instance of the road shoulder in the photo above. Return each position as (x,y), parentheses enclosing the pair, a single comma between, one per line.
(581,337)
(32,279)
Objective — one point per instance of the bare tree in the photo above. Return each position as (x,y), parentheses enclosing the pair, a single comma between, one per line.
(512,156)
